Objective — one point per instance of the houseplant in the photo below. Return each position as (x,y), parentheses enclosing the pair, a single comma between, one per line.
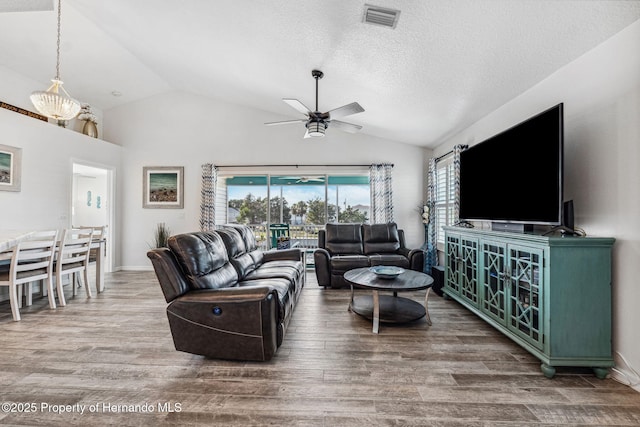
(161,235)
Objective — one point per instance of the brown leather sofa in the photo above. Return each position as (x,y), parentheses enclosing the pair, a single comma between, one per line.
(227,299)
(342,247)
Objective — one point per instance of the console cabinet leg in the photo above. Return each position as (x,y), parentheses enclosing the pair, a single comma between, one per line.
(548,371)
(601,372)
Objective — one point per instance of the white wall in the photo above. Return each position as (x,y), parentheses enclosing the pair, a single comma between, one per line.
(179,129)
(601,95)
(48,151)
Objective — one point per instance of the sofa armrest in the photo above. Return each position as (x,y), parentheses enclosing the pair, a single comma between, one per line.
(322,261)
(283,254)
(416,258)
(169,274)
(230,323)
(322,238)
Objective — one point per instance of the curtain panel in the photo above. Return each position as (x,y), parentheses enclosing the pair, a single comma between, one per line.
(431,256)
(457,149)
(208,197)
(381,193)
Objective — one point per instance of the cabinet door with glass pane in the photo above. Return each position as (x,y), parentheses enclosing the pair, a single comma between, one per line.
(493,280)
(525,303)
(452,272)
(462,266)
(469,269)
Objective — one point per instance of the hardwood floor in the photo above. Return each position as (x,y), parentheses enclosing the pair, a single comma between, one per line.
(112,356)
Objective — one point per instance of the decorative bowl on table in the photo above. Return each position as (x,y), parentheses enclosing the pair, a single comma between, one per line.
(386,271)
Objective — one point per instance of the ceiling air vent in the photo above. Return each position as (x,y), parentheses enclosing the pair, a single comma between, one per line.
(25,5)
(380,16)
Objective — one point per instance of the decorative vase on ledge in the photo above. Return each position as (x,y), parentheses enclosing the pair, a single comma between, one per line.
(90,129)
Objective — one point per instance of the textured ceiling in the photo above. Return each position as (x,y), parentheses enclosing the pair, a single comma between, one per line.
(446,64)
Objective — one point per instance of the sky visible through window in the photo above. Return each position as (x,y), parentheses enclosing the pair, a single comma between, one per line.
(353,195)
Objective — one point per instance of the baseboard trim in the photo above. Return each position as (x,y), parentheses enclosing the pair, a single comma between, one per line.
(134,268)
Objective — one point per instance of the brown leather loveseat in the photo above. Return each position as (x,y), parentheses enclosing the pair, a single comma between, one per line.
(227,299)
(342,247)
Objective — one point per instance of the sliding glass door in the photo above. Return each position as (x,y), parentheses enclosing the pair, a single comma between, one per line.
(300,204)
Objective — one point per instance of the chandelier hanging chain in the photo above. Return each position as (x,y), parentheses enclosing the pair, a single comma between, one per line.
(55,102)
(58,42)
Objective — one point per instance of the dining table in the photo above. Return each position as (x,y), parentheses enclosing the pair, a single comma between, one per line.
(10,238)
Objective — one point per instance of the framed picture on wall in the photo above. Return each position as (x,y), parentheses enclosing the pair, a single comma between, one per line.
(10,168)
(163,187)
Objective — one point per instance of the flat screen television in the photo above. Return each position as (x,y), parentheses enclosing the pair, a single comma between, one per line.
(516,175)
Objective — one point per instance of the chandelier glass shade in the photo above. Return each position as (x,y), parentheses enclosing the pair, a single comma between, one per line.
(53,103)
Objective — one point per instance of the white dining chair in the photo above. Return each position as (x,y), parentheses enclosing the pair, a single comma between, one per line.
(72,259)
(31,260)
(98,234)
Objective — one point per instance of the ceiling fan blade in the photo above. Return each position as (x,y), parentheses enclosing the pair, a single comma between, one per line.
(285,122)
(297,105)
(345,110)
(344,126)
(306,134)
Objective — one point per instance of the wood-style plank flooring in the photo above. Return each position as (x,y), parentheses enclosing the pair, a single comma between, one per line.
(113,356)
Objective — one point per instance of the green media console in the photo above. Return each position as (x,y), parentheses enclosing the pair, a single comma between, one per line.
(551,295)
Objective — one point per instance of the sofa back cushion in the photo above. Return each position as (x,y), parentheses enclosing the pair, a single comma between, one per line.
(203,259)
(237,251)
(247,235)
(250,243)
(381,238)
(343,239)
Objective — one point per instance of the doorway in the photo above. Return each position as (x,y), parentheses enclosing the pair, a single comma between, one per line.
(92,202)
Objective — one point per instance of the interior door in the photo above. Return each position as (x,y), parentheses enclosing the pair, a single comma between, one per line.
(92,202)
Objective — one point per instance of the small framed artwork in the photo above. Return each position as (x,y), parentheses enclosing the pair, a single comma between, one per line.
(163,187)
(10,168)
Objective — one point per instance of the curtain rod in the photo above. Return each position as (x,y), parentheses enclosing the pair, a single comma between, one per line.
(444,155)
(296,166)
(462,146)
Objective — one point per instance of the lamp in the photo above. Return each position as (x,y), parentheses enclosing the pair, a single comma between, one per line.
(52,103)
(315,129)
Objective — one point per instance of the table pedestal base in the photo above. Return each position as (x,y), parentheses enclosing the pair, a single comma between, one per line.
(392,309)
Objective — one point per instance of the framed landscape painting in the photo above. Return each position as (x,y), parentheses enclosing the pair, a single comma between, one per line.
(10,168)
(163,187)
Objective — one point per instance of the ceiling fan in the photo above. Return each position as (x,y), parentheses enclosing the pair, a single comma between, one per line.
(303,179)
(317,122)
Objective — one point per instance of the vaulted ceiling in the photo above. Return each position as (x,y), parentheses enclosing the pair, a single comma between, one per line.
(445,65)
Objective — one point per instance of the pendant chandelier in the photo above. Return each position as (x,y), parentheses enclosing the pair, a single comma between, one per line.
(52,103)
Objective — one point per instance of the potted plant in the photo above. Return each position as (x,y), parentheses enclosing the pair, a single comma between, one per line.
(161,235)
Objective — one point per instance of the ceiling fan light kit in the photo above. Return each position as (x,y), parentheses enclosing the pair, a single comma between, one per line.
(52,103)
(315,129)
(317,122)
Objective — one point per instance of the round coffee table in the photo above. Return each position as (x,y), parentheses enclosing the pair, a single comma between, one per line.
(387,308)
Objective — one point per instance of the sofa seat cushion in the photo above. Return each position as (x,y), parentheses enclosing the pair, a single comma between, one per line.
(389,259)
(283,263)
(343,263)
(274,272)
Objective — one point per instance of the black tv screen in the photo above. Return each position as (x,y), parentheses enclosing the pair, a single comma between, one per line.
(516,176)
